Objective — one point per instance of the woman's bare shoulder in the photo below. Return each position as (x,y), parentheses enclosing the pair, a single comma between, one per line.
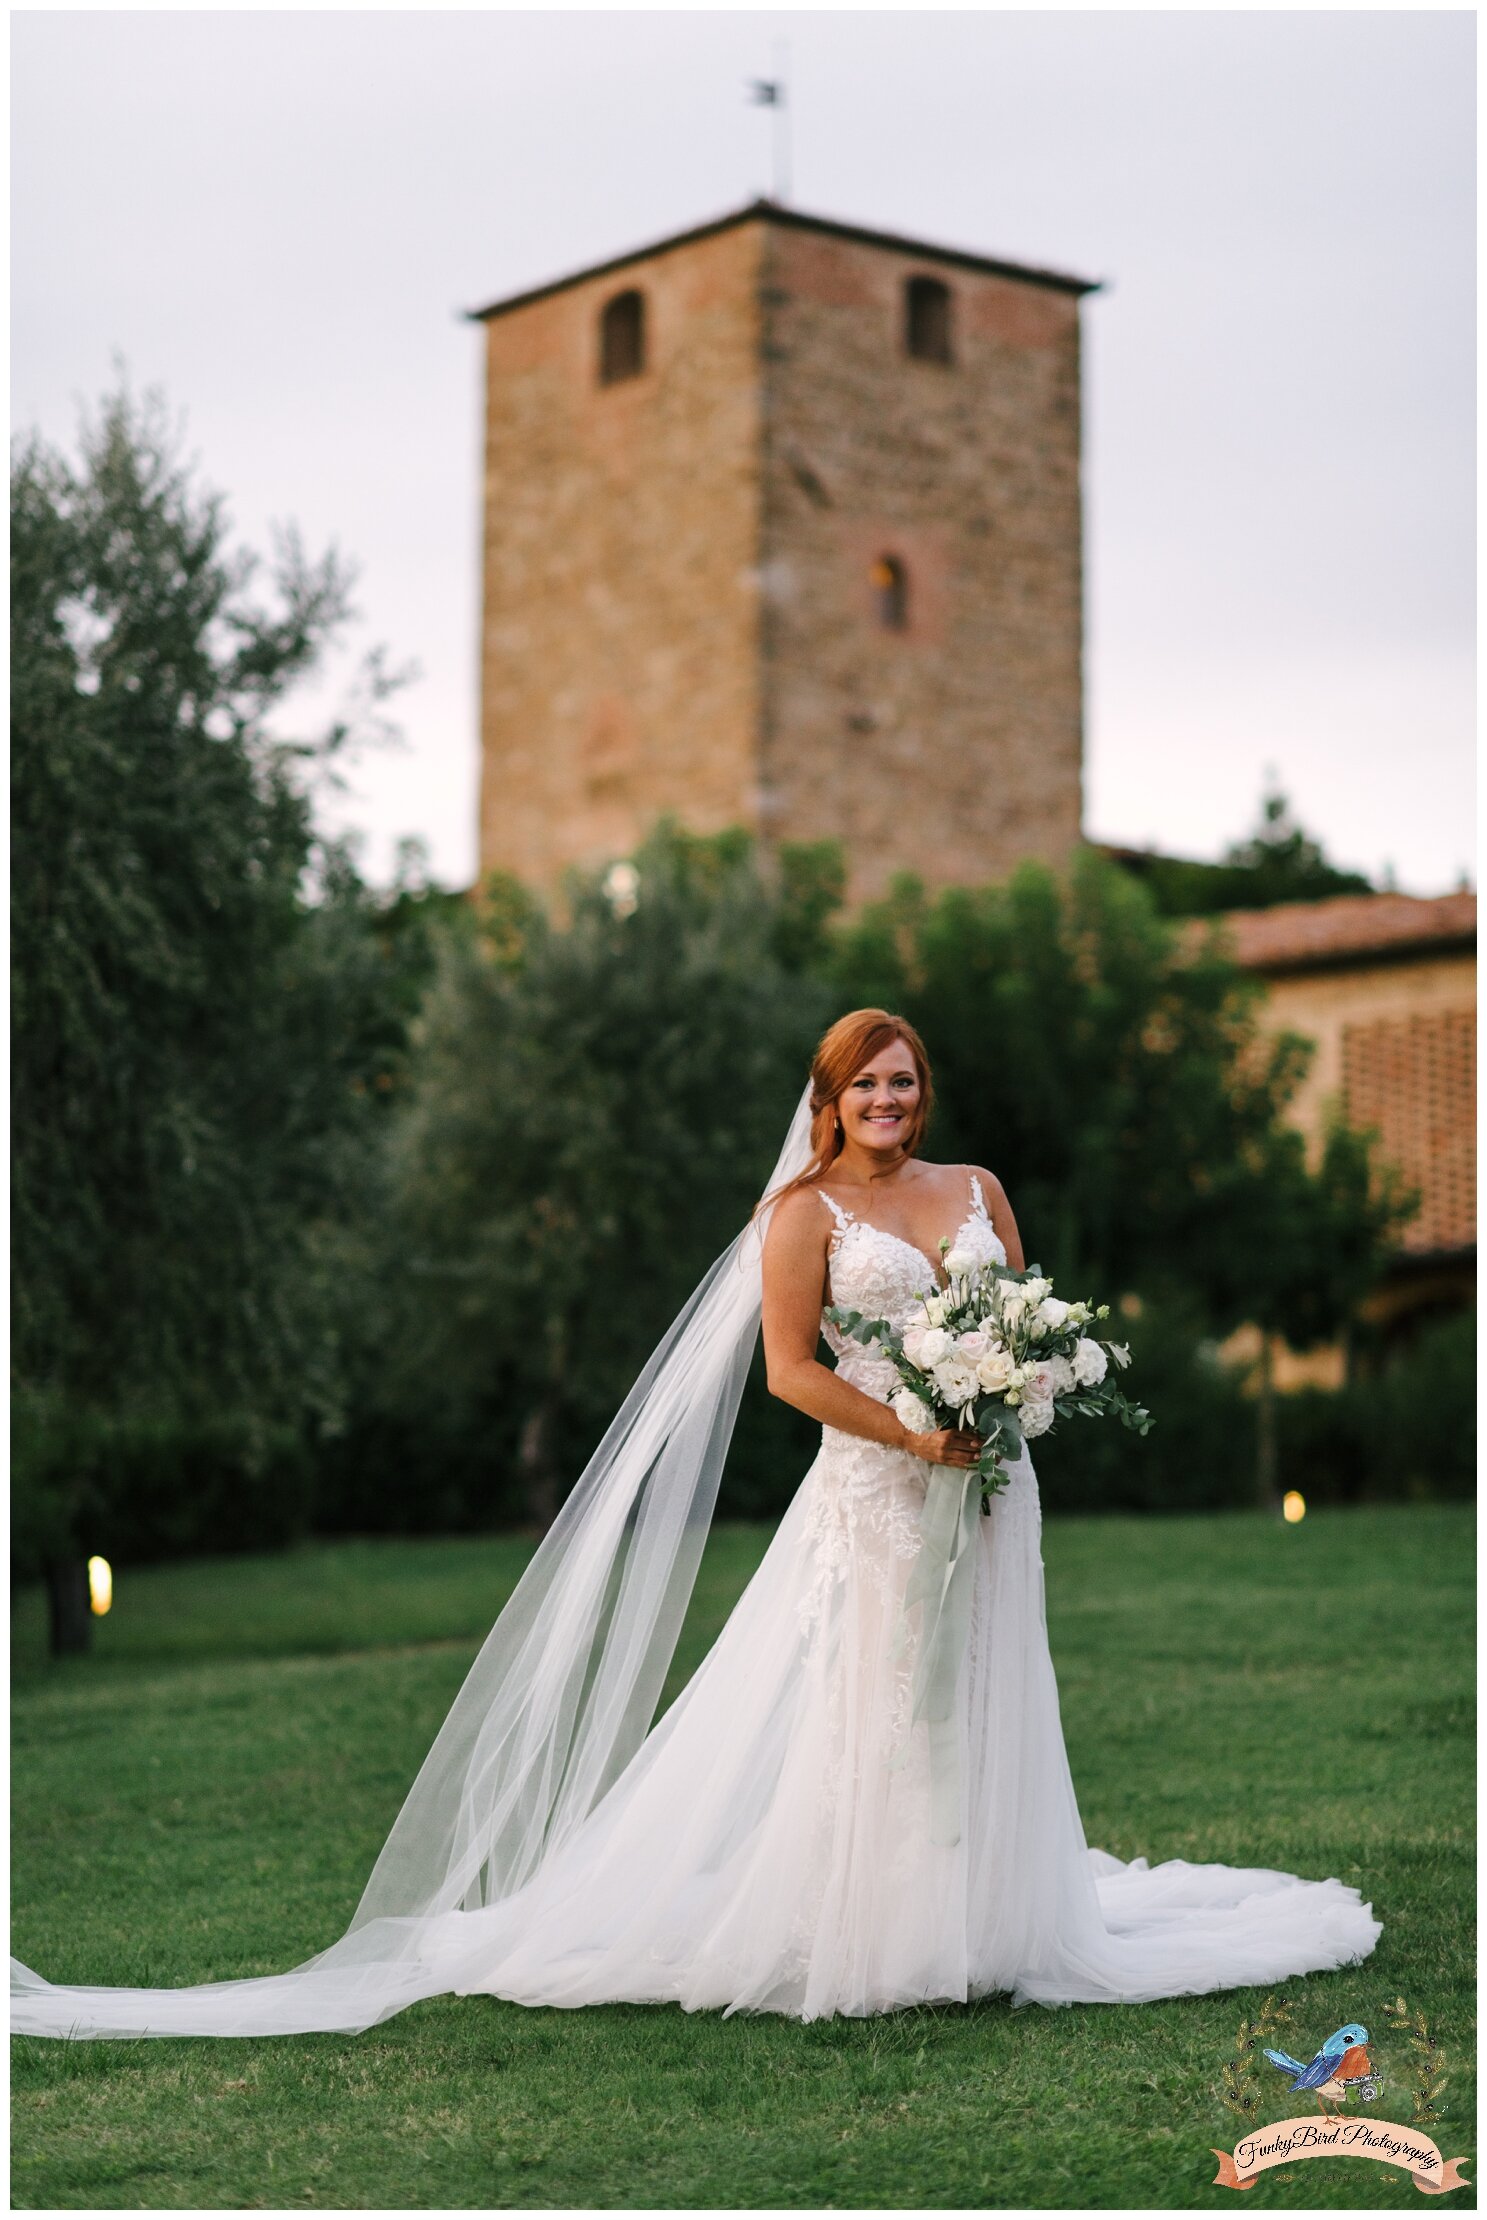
(999,1211)
(957,1177)
(799,1213)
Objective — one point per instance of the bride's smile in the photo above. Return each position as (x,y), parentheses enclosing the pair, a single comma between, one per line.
(877,1109)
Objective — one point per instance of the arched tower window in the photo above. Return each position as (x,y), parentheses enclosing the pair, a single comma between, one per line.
(891,593)
(927,319)
(622,338)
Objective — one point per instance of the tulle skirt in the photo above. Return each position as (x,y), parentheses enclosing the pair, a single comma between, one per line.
(769,1847)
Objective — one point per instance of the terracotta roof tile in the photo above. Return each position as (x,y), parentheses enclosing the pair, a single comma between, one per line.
(1348,928)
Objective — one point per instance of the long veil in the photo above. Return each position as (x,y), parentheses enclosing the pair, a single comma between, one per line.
(555,1705)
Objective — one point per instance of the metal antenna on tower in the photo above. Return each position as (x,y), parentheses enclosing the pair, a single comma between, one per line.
(770,92)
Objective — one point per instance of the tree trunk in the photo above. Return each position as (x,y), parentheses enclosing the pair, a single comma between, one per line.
(539,1477)
(1267,1462)
(69,1607)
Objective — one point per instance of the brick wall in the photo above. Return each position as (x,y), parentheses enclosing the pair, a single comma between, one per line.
(678,605)
(619,643)
(1414,1079)
(952,748)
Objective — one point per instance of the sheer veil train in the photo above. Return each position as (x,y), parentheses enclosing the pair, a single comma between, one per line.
(779,1841)
(556,1703)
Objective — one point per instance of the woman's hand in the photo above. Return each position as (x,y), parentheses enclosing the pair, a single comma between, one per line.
(951,1445)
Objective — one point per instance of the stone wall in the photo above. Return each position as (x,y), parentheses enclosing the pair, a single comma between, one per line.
(620,660)
(678,607)
(953,747)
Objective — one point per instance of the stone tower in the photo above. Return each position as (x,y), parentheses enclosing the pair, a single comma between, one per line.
(782,529)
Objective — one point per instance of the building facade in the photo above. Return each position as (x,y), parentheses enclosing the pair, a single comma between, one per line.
(1385,985)
(783,529)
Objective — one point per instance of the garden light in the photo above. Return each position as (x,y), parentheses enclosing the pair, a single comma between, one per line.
(1293,1506)
(100,1585)
(622,886)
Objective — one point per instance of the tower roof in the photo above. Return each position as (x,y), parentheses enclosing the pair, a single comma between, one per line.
(793,218)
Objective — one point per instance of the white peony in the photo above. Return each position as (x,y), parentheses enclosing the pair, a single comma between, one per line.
(996,1371)
(955,1381)
(933,1343)
(1035,1416)
(912,1411)
(1052,1312)
(1089,1363)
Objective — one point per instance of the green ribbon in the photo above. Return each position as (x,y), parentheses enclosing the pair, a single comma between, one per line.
(943,1580)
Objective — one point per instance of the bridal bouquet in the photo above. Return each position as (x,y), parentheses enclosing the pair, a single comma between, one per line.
(998,1352)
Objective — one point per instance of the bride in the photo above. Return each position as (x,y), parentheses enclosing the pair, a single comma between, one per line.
(792,1836)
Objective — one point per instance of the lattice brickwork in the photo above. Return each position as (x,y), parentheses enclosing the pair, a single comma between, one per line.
(1414,1079)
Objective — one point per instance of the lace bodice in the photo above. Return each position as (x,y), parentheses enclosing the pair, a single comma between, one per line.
(865,1497)
(883,1276)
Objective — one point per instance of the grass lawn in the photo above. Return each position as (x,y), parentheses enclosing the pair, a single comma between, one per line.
(204,1797)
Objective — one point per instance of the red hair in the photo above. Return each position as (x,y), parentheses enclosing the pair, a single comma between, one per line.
(840,1054)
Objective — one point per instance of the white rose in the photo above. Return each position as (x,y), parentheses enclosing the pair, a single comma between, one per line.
(934,1343)
(1089,1363)
(959,1262)
(973,1345)
(1035,1417)
(1052,1312)
(996,1370)
(914,1340)
(912,1411)
(1033,1291)
(955,1381)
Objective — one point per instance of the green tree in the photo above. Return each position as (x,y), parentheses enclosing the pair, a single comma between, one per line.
(1299,1263)
(599,1098)
(204,1028)
(1277,862)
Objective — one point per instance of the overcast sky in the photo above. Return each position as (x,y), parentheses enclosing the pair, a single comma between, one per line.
(278,218)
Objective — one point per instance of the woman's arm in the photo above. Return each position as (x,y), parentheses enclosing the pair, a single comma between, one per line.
(794,1292)
(1002,1219)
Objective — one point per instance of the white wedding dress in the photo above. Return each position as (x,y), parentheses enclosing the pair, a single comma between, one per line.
(768,1847)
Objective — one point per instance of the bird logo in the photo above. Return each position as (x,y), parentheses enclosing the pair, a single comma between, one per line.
(1341,2064)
